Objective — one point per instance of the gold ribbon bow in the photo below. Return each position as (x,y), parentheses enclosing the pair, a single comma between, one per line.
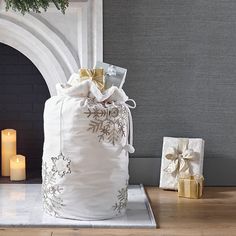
(180,158)
(96,75)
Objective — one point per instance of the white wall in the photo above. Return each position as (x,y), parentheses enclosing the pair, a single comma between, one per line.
(57,44)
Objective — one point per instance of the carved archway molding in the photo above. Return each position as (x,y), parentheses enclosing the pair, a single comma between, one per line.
(46,45)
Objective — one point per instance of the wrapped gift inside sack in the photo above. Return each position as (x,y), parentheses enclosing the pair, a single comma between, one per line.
(96,75)
(114,75)
(180,156)
(190,186)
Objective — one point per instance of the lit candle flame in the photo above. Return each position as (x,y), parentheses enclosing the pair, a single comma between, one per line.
(8,133)
(17,160)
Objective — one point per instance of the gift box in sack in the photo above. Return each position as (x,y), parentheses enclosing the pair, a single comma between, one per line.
(114,75)
(85,157)
(180,156)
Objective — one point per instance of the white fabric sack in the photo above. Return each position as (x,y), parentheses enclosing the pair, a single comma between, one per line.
(180,155)
(85,157)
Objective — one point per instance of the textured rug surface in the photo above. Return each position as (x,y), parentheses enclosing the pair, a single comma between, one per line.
(21,206)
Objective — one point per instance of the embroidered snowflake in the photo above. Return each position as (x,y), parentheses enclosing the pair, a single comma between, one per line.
(61,165)
(51,191)
(108,122)
(122,199)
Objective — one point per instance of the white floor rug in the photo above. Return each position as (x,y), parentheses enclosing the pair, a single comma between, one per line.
(20,206)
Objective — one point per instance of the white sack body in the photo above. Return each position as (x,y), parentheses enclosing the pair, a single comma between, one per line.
(85,157)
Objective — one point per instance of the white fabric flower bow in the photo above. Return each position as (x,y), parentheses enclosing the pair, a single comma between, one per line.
(179,160)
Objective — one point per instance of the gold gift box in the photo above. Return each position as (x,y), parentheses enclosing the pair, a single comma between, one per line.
(96,75)
(190,186)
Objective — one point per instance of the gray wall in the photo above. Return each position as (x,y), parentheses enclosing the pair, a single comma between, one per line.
(181,61)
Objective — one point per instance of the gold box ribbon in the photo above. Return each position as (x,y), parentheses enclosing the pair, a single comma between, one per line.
(190,186)
(96,75)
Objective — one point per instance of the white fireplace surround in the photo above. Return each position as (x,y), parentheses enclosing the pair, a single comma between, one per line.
(57,44)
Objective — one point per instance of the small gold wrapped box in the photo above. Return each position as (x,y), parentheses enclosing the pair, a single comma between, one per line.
(190,186)
(96,75)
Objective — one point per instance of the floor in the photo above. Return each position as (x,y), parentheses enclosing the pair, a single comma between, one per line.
(215,214)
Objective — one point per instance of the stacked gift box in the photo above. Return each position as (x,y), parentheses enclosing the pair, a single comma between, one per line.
(182,166)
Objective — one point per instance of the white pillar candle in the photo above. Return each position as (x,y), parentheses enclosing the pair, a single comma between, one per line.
(8,149)
(17,168)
